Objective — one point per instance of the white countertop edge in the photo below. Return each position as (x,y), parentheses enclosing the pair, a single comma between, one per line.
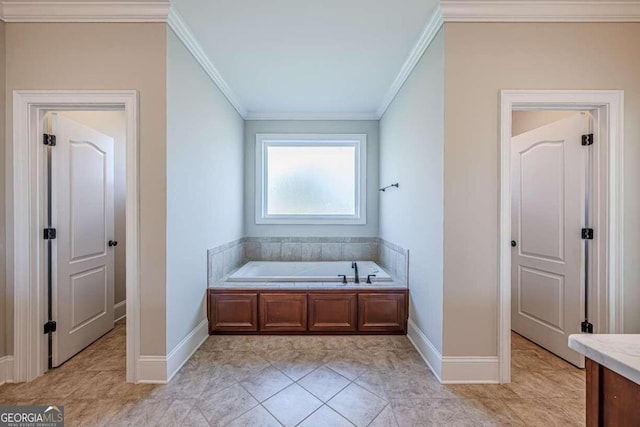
(617,352)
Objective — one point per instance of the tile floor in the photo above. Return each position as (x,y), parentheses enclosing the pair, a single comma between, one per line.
(306,381)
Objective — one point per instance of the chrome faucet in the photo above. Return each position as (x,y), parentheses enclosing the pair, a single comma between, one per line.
(355,265)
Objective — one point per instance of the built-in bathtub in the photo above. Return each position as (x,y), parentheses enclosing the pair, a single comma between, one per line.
(319,271)
(298,297)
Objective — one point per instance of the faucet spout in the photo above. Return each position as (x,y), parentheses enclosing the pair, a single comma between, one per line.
(354,265)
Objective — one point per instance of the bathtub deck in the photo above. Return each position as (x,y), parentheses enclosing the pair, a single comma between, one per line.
(299,286)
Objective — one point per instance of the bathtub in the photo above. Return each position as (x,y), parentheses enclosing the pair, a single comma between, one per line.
(322,271)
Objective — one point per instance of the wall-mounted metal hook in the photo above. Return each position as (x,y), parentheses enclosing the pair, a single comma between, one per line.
(383,189)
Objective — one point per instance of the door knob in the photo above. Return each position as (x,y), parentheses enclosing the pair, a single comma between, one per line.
(513,243)
(113,243)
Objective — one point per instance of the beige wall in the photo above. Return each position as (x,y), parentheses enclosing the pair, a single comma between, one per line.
(108,56)
(3,310)
(482,59)
(411,153)
(113,124)
(204,184)
(524,121)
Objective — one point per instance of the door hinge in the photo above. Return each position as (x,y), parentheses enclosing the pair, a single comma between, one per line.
(587,139)
(49,140)
(50,326)
(586,327)
(587,233)
(49,233)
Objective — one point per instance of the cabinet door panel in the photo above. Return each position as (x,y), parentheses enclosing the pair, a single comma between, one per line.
(382,312)
(332,312)
(233,312)
(283,312)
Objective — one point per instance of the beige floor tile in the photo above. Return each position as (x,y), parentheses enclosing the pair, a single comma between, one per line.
(176,413)
(266,383)
(257,417)
(491,412)
(430,412)
(324,383)
(325,417)
(195,418)
(295,364)
(357,405)
(386,418)
(223,407)
(374,382)
(244,364)
(349,366)
(540,412)
(545,390)
(292,405)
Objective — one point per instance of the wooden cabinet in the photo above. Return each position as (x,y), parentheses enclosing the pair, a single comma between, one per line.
(286,312)
(233,312)
(382,312)
(333,312)
(612,400)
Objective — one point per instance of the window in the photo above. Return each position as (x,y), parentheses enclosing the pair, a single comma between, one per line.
(311,179)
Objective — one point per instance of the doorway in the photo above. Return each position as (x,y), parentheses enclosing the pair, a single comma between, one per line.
(598,282)
(85,219)
(31,108)
(550,206)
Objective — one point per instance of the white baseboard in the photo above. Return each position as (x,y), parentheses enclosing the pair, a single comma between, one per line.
(152,370)
(470,370)
(426,349)
(6,369)
(120,310)
(454,370)
(160,369)
(185,348)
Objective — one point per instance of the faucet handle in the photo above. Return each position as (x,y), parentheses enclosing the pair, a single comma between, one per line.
(344,278)
(369,277)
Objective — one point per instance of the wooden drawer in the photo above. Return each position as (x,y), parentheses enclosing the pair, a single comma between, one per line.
(283,312)
(233,312)
(382,312)
(333,312)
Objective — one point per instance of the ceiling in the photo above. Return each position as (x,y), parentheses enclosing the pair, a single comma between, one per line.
(288,58)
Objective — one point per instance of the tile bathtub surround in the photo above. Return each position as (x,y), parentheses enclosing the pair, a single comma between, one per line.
(394,259)
(223,259)
(306,381)
(311,248)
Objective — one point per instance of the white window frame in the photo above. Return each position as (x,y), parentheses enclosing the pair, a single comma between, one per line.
(263,141)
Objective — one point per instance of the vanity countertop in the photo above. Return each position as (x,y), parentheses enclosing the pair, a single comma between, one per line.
(617,352)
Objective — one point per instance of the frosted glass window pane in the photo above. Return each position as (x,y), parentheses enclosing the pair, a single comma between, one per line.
(311,180)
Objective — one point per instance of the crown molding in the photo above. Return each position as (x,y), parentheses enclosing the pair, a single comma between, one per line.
(540,11)
(182,30)
(84,11)
(434,24)
(311,116)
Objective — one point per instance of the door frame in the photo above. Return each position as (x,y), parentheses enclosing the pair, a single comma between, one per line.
(610,127)
(29,276)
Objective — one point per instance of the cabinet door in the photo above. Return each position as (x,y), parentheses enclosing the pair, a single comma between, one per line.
(332,312)
(233,312)
(382,312)
(283,312)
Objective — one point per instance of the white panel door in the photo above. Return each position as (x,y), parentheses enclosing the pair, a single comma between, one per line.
(548,167)
(82,209)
